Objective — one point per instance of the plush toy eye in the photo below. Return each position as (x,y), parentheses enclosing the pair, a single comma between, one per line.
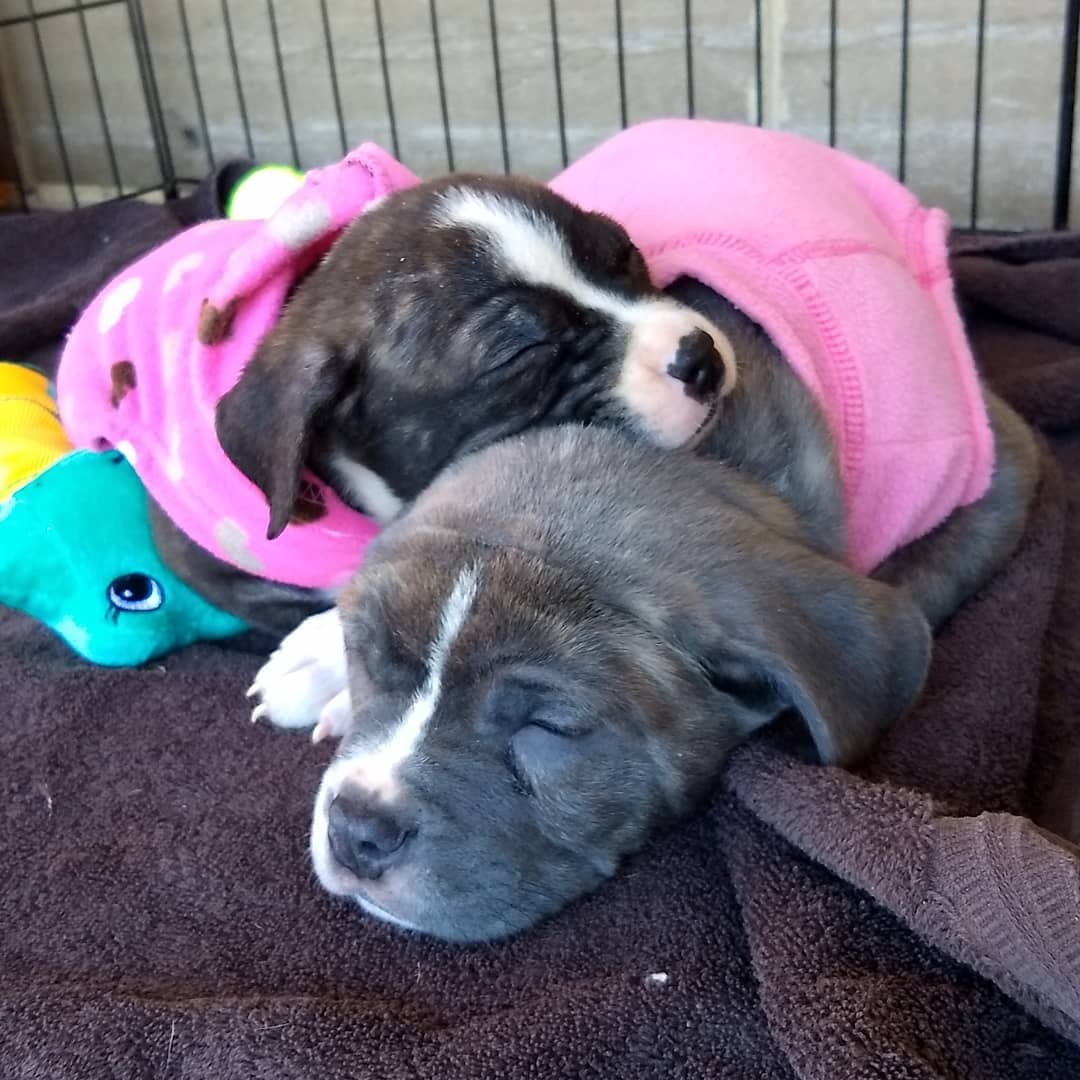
(136,592)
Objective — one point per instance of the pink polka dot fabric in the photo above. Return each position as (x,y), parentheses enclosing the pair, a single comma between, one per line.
(150,316)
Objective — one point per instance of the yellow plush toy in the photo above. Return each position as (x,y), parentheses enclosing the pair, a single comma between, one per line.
(33,439)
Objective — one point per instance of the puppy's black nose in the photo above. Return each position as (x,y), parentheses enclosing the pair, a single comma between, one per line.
(365,838)
(697,364)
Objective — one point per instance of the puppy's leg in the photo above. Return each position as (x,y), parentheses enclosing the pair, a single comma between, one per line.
(305,682)
(945,567)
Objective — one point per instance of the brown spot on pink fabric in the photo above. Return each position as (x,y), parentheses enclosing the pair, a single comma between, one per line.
(215,323)
(123,379)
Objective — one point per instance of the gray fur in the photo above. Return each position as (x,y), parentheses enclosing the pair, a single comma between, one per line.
(660,607)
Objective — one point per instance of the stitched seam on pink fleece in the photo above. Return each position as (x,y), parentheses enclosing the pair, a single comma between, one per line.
(914,231)
(934,226)
(923,274)
(827,249)
(926,440)
(375,171)
(926,274)
(847,377)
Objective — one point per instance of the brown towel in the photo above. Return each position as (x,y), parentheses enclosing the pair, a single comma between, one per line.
(917,918)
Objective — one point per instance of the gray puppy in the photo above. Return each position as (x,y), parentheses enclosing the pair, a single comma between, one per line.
(552,653)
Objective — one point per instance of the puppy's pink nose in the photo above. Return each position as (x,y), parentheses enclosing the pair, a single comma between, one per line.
(698,365)
(365,838)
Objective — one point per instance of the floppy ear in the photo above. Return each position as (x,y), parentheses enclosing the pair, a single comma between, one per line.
(265,423)
(848,654)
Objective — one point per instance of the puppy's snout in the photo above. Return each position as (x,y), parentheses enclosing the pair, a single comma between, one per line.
(365,837)
(698,365)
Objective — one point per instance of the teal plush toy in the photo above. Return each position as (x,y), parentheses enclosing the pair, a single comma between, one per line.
(76,551)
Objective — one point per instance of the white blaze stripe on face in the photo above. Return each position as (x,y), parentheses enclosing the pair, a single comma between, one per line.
(532,247)
(376,770)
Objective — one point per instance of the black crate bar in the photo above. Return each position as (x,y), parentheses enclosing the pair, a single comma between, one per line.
(335,89)
(620,55)
(500,104)
(976,148)
(441,78)
(50,98)
(99,103)
(52,13)
(560,103)
(185,30)
(279,63)
(12,153)
(380,33)
(160,135)
(905,35)
(688,23)
(1066,116)
(238,85)
(759,85)
(832,72)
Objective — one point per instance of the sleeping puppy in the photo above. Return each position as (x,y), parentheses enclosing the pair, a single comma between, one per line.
(553,651)
(735,298)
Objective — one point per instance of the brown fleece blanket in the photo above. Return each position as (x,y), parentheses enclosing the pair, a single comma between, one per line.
(917,918)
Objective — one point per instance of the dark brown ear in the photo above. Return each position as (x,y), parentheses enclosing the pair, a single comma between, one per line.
(265,423)
(846,653)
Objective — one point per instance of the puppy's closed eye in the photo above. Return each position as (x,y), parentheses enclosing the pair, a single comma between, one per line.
(508,366)
(542,750)
(545,734)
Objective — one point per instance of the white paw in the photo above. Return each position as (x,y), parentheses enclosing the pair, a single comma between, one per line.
(304,683)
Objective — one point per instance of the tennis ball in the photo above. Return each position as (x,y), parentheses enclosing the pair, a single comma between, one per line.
(259,192)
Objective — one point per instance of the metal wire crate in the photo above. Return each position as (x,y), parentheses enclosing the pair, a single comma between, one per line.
(973,104)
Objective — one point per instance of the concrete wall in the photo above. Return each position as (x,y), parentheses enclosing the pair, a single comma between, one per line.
(1022,63)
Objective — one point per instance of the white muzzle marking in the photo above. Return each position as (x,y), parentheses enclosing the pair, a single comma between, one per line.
(375,770)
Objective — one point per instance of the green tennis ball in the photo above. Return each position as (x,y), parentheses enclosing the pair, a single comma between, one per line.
(261,191)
